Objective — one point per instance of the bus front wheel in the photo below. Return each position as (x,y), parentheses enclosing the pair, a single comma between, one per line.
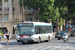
(23,42)
(39,40)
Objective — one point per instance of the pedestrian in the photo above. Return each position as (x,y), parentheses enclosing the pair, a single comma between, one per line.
(65,33)
(16,35)
(54,31)
(70,29)
(7,37)
(4,36)
(10,34)
(0,37)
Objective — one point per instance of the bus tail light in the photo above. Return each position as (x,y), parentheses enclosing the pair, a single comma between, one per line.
(21,36)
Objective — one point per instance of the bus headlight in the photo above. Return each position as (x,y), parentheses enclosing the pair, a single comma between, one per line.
(18,37)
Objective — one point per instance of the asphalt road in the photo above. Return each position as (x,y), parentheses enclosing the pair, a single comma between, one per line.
(54,44)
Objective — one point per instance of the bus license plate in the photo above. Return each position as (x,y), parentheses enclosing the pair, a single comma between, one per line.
(25,41)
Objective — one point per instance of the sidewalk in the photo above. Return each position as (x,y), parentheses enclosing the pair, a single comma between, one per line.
(3,43)
(11,40)
(1,46)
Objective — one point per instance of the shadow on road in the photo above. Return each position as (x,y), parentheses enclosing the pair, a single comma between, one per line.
(11,43)
(20,43)
(71,36)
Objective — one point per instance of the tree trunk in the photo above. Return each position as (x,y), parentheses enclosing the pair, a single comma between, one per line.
(61,26)
(64,29)
(57,27)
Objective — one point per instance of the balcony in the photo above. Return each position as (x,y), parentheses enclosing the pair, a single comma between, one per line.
(30,9)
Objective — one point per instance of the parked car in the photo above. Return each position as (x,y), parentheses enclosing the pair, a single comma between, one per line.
(73,31)
(59,35)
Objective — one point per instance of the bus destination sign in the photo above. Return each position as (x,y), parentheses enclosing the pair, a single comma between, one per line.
(25,24)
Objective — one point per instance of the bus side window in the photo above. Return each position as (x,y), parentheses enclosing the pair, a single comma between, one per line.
(36,30)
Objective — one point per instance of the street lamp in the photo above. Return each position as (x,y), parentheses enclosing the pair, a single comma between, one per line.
(22,12)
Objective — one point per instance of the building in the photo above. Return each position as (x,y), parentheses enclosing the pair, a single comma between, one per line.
(11,14)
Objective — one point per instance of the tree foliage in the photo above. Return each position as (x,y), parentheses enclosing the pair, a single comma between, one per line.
(71,8)
(47,9)
(51,9)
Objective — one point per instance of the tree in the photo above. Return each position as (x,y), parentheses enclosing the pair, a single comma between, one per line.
(71,8)
(63,11)
(52,9)
(47,9)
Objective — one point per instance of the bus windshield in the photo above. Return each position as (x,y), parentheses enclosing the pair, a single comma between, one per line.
(25,30)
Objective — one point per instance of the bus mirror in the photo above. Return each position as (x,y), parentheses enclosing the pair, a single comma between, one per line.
(36,32)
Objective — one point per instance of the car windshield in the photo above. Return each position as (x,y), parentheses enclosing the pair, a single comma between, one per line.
(73,28)
(25,30)
(62,32)
(57,33)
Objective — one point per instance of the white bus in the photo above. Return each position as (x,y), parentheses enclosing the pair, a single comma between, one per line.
(34,32)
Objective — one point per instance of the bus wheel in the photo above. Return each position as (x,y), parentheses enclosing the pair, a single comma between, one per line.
(39,40)
(23,42)
(48,38)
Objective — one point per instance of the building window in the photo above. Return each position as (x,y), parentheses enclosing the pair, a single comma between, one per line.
(0,9)
(6,17)
(0,17)
(29,17)
(6,9)
(13,9)
(12,0)
(0,2)
(6,0)
(6,5)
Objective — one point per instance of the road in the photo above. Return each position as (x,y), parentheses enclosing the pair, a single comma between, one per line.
(54,44)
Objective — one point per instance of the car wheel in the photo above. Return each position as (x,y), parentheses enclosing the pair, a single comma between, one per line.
(48,38)
(58,38)
(55,37)
(23,42)
(71,34)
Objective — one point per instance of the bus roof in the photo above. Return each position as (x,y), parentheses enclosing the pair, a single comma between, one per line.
(39,23)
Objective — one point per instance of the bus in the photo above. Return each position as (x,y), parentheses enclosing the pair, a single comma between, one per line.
(34,32)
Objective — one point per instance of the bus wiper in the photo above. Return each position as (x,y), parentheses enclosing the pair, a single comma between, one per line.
(21,34)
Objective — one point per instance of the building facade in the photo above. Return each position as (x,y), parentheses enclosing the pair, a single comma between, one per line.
(11,14)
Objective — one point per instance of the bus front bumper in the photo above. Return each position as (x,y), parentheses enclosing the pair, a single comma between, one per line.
(25,40)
